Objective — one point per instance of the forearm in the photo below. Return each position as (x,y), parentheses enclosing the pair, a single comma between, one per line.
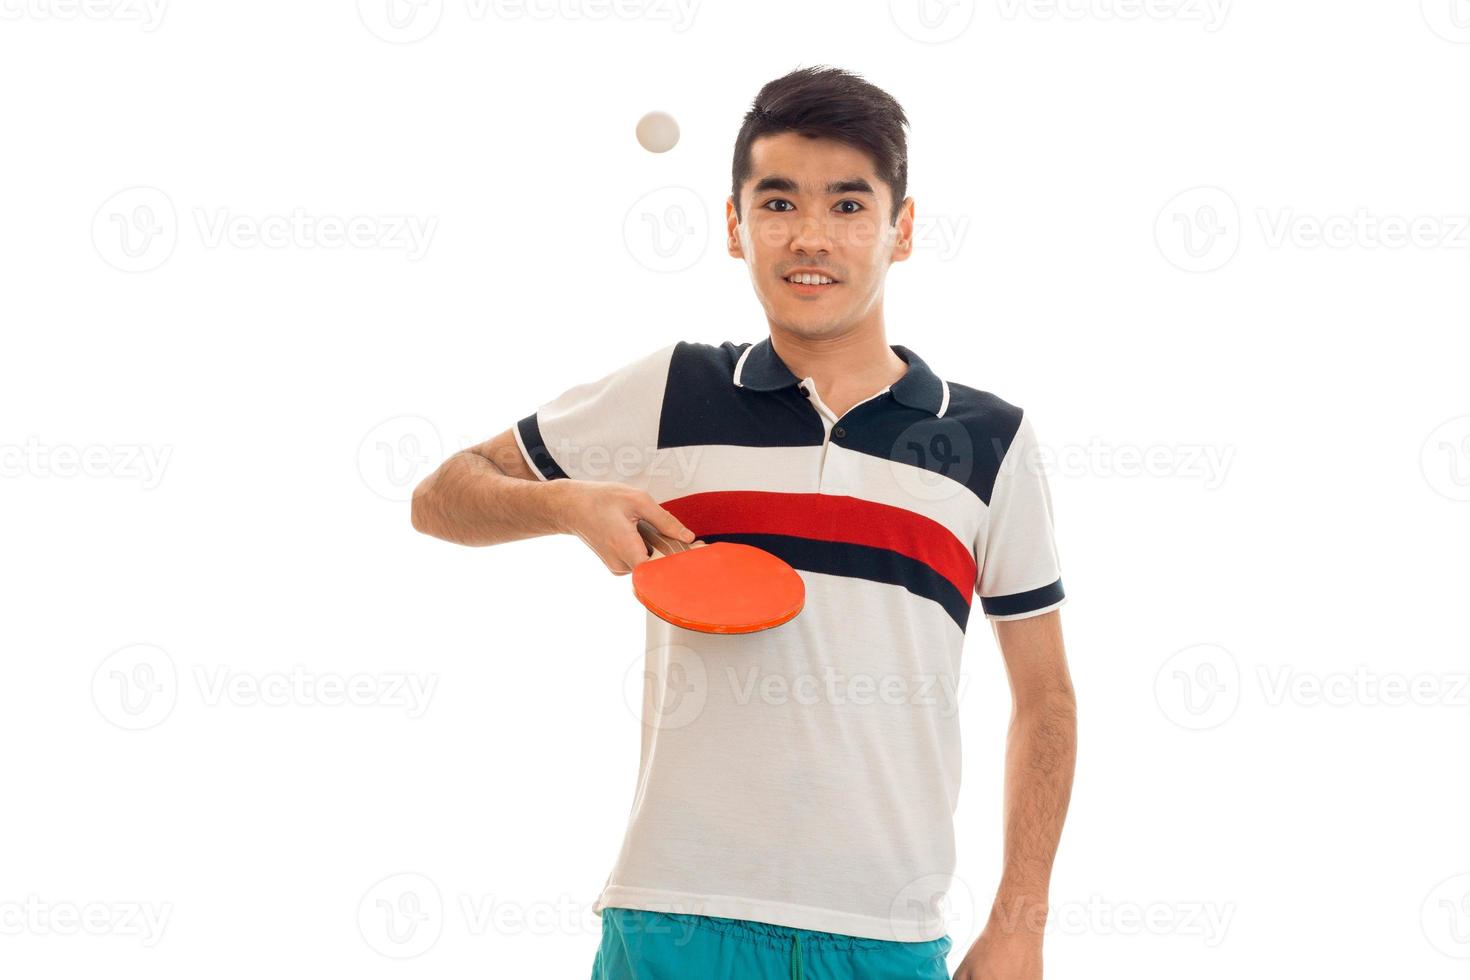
(469,500)
(1041,752)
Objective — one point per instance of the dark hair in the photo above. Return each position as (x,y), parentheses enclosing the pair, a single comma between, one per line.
(830,103)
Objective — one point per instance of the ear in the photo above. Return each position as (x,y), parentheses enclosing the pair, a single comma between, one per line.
(903,240)
(732,230)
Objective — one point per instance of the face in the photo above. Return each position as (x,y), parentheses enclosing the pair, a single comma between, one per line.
(817,204)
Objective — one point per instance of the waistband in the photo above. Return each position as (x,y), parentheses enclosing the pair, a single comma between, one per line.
(764,933)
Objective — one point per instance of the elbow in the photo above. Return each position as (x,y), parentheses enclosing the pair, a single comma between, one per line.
(421,510)
(1054,703)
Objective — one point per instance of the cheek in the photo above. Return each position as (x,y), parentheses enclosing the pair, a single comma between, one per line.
(865,240)
(769,233)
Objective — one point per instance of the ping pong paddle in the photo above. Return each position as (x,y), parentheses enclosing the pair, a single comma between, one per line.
(723,587)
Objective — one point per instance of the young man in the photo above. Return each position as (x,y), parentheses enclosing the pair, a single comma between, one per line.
(797,786)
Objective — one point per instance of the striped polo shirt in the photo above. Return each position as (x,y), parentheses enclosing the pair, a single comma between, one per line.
(807,775)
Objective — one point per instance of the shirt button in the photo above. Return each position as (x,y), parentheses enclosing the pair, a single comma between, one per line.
(838,432)
(802,389)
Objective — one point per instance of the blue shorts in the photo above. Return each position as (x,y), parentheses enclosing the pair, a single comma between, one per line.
(644,945)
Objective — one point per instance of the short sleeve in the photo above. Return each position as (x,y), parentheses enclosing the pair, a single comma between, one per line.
(604,430)
(1019,572)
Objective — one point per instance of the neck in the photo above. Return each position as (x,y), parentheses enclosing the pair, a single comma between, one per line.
(847,368)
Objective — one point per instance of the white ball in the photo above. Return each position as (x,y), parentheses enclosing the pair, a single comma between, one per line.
(657,132)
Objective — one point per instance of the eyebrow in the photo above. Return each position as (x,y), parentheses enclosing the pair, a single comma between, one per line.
(853,185)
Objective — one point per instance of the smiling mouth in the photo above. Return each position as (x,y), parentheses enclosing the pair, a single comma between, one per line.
(810,283)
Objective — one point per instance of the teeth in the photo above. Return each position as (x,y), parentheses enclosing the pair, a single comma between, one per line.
(809,279)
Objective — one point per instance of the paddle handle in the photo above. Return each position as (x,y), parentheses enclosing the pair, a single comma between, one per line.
(659,541)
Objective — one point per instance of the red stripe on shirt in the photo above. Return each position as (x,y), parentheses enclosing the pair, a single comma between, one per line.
(829,517)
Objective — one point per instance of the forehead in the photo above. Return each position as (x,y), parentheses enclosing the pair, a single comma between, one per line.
(813,164)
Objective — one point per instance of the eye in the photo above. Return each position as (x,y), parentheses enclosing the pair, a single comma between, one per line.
(857,206)
(778,200)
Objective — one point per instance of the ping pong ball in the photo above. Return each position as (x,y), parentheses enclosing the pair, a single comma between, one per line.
(657,132)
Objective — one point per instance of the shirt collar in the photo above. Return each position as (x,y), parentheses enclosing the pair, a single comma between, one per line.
(760,368)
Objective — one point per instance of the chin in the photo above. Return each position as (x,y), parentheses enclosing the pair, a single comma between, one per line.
(811,328)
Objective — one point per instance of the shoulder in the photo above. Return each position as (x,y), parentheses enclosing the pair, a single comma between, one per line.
(700,355)
(989,419)
(693,362)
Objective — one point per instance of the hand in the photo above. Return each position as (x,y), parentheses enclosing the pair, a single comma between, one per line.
(1000,955)
(605,516)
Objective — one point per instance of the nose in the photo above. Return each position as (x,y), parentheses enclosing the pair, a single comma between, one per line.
(812,236)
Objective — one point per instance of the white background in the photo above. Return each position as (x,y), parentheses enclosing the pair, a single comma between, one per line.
(1165,230)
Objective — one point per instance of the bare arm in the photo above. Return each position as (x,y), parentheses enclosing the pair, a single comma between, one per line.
(1041,753)
(487,495)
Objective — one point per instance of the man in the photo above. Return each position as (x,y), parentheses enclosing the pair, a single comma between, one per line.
(797,786)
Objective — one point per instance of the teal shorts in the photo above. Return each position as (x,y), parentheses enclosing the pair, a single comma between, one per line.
(644,945)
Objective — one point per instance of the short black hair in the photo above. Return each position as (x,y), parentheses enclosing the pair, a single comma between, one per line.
(830,103)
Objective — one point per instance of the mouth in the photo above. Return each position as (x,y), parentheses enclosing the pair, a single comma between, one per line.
(810,284)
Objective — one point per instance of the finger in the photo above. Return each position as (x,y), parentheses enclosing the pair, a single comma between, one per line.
(657,543)
(633,548)
(667,523)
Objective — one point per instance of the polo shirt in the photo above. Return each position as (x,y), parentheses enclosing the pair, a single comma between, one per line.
(807,775)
